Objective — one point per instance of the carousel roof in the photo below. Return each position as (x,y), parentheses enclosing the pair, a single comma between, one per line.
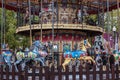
(93,5)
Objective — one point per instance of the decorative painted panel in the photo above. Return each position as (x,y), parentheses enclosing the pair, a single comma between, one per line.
(56,48)
(67,46)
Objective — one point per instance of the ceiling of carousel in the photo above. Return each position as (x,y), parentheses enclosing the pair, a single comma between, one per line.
(93,6)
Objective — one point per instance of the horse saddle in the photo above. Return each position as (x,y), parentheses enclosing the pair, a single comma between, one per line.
(77,53)
(32,54)
(73,54)
(6,53)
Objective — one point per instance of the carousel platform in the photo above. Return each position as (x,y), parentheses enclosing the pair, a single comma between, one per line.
(79,27)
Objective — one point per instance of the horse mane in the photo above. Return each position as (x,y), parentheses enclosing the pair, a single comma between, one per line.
(85,46)
(82,46)
(88,45)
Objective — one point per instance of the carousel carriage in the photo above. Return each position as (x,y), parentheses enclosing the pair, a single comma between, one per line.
(78,55)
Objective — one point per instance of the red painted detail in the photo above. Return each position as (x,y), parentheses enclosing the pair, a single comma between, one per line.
(45,38)
(70,56)
(66,56)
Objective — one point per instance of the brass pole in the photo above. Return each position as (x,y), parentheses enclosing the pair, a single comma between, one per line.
(108,19)
(53,20)
(4,20)
(2,14)
(118,16)
(118,12)
(29,4)
(103,23)
(41,22)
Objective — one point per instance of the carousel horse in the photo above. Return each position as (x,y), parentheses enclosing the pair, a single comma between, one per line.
(49,58)
(117,56)
(7,57)
(20,56)
(102,59)
(77,55)
(98,61)
(35,54)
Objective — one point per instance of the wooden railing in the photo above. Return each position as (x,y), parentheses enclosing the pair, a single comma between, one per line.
(74,73)
(60,26)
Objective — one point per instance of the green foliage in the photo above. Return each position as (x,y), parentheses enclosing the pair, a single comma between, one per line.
(10,31)
(111,20)
(93,17)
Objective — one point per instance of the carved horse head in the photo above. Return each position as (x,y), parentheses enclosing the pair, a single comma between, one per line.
(7,58)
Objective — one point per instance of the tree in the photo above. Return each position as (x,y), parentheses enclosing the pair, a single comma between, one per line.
(10,31)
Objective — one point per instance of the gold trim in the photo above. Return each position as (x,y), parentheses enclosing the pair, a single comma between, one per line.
(60,26)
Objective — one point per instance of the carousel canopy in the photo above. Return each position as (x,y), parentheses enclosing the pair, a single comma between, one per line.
(93,6)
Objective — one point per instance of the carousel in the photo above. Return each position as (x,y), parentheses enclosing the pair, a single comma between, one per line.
(63,23)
